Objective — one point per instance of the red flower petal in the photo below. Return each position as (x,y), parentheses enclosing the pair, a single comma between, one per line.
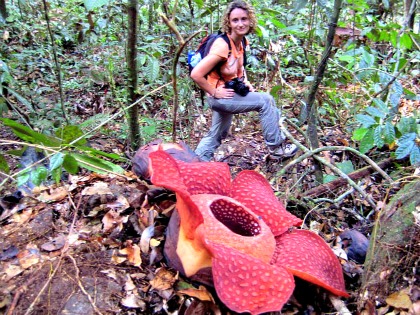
(205,177)
(307,256)
(253,190)
(246,284)
(165,173)
(230,224)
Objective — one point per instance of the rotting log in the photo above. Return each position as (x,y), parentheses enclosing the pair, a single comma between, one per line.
(394,246)
(339,182)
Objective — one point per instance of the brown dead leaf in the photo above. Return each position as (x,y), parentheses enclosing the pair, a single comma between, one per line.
(132,251)
(201,293)
(53,195)
(29,256)
(399,300)
(98,188)
(113,221)
(163,280)
(55,244)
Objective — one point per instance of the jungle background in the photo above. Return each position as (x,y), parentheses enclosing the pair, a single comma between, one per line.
(84,84)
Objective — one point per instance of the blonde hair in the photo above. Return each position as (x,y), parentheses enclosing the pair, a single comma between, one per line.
(238,4)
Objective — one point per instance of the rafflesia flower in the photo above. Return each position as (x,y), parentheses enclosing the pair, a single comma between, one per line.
(243,233)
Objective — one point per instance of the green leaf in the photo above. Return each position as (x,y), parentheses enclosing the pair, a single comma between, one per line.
(27,134)
(367,142)
(415,156)
(381,105)
(152,69)
(368,58)
(358,134)
(39,175)
(405,41)
(4,166)
(329,178)
(20,98)
(56,161)
(366,120)
(389,132)
(97,165)
(23,178)
(56,174)
(407,125)
(346,167)
(377,136)
(70,164)
(376,112)
(71,133)
(93,4)
(93,151)
(405,145)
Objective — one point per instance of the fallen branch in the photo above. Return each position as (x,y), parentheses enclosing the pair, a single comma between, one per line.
(339,182)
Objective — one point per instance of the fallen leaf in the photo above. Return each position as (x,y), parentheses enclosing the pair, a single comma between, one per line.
(113,222)
(98,188)
(55,244)
(52,195)
(132,251)
(133,301)
(399,300)
(201,293)
(163,280)
(29,257)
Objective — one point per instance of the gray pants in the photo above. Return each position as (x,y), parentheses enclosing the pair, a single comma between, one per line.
(223,110)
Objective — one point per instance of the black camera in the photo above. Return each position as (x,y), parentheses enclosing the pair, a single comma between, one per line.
(238,86)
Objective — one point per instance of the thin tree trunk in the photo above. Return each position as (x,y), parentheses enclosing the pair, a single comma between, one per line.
(3,10)
(311,106)
(133,112)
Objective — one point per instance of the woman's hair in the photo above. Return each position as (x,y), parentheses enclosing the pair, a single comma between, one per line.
(239,4)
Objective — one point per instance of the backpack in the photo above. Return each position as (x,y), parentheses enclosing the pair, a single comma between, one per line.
(194,57)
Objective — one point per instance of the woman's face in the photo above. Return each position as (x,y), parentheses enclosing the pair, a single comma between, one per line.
(239,22)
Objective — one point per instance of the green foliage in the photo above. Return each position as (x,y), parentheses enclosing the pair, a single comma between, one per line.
(65,151)
(346,167)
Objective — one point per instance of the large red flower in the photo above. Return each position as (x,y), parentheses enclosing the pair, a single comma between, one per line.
(243,233)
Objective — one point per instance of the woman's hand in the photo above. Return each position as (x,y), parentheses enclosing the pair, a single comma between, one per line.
(222,92)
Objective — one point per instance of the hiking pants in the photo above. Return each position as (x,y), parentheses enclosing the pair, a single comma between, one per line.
(223,110)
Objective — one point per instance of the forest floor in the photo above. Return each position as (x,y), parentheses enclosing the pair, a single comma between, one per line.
(85,247)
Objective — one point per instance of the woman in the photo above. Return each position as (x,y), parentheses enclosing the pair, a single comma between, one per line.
(238,21)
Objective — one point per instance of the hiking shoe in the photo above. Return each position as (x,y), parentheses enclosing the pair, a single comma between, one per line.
(284,151)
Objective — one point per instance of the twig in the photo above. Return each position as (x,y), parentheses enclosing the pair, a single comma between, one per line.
(63,251)
(326,163)
(339,305)
(79,283)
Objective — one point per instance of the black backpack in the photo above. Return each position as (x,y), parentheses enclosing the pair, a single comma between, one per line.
(194,57)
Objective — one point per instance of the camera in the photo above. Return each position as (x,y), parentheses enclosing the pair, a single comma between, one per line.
(238,86)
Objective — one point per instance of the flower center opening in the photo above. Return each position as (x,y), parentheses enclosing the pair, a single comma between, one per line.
(235,218)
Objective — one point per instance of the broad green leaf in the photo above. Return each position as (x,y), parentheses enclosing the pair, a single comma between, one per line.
(39,175)
(70,164)
(358,134)
(393,38)
(365,120)
(97,165)
(389,132)
(27,134)
(415,156)
(346,167)
(113,156)
(56,161)
(21,99)
(404,149)
(329,178)
(93,4)
(56,174)
(407,125)
(199,3)
(368,58)
(376,112)
(378,136)
(23,178)
(4,166)
(152,69)
(381,105)
(405,41)
(367,142)
(70,133)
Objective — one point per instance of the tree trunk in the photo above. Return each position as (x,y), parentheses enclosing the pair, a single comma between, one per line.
(410,14)
(3,10)
(312,112)
(394,246)
(133,112)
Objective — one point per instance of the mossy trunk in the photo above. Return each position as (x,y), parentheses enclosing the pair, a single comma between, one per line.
(394,246)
